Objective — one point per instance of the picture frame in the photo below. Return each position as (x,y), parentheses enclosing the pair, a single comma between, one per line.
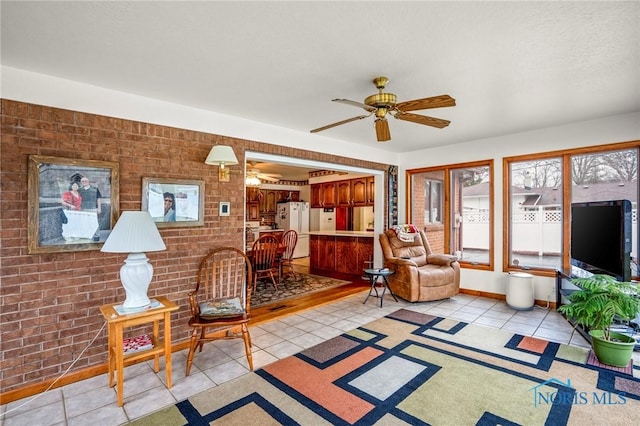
(188,201)
(225,208)
(60,219)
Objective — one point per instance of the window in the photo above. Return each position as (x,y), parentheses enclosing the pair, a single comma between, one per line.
(454,204)
(432,201)
(608,176)
(541,188)
(535,206)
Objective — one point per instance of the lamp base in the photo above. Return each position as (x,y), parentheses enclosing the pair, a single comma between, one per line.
(136,274)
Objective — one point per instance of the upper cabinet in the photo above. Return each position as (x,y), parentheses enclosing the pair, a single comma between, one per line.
(323,195)
(261,202)
(371,190)
(359,192)
(344,193)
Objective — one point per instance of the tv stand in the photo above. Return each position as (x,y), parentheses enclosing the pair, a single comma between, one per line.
(564,288)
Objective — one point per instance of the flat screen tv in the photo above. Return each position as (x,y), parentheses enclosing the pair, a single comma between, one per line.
(601,237)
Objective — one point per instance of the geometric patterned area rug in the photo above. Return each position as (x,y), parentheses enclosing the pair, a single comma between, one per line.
(416,369)
(289,288)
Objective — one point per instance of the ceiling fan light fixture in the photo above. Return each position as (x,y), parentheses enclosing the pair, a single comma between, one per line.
(252,181)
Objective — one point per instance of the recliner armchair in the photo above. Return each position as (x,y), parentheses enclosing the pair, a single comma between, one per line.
(420,275)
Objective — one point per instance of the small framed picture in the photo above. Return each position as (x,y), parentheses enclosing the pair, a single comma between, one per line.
(174,202)
(225,208)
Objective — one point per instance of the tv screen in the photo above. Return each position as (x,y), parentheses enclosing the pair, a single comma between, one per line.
(601,237)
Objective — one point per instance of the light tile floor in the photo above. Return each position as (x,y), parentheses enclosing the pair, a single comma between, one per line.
(91,401)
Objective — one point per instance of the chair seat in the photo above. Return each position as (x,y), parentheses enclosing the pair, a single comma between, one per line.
(221,308)
(200,321)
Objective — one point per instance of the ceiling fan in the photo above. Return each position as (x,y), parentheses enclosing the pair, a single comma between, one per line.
(382,104)
(253,172)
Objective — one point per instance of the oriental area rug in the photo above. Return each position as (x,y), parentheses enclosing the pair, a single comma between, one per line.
(416,369)
(291,287)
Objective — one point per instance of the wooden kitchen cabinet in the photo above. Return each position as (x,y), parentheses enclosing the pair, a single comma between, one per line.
(359,192)
(344,255)
(316,195)
(252,195)
(262,202)
(326,253)
(268,201)
(323,195)
(371,190)
(343,193)
(253,211)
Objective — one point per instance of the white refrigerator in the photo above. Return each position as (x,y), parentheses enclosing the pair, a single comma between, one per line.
(295,215)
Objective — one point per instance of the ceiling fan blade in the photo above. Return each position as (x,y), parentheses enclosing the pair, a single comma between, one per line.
(422,119)
(268,177)
(382,130)
(427,103)
(348,120)
(356,104)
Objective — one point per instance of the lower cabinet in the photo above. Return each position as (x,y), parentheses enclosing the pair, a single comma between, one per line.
(345,255)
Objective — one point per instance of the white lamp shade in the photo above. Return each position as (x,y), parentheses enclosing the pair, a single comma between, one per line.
(135,232)
(221,155)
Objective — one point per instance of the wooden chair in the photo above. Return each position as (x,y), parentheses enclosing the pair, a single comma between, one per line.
(264,259)
(221,300)
(289,239)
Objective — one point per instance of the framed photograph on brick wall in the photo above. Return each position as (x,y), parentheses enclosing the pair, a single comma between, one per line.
(174,202)
(73,204)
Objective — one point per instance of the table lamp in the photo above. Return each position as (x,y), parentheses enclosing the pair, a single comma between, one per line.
(135,233)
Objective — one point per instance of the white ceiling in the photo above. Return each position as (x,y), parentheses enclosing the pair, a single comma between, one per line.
(511,66)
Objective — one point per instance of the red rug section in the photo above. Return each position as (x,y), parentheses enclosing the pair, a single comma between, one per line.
(594,361)
(296,373)
(532,344)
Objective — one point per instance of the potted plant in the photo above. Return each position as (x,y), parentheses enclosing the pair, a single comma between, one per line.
(599,301)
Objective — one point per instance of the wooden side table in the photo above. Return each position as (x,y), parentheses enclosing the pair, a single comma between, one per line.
(118,322)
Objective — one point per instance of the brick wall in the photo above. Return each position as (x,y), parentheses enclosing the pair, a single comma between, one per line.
(49,303)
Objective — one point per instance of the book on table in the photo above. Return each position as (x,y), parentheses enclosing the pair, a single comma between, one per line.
(136,344)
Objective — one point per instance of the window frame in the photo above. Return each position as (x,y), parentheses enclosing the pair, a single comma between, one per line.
(446,223)
(565,157)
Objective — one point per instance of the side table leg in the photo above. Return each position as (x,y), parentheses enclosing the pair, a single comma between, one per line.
(119,355)
(111,356)
(373,283)
(167,347)
(386,283)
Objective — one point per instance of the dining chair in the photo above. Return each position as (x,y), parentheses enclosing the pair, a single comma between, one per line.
(264,260)
(289,239)
(221,301)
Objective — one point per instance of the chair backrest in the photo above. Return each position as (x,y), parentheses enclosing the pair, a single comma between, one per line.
(289,239)
(263,253)
(225,272)
(416,250)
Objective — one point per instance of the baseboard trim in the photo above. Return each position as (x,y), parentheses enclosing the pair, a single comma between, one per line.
(497,296)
